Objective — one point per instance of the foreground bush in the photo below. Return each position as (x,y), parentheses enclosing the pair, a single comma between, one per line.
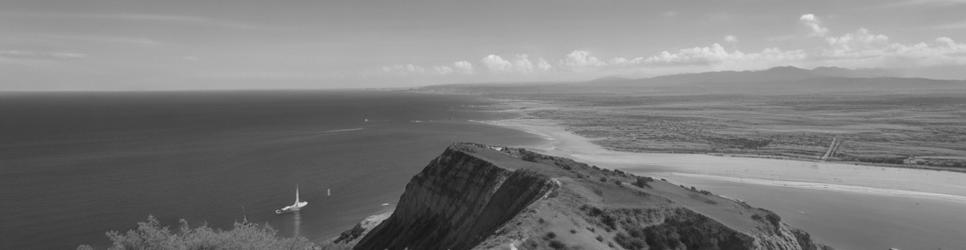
(151,234)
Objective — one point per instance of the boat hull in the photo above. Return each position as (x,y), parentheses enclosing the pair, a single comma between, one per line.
(293,208)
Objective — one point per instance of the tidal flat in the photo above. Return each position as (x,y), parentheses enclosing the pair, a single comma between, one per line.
(915,131)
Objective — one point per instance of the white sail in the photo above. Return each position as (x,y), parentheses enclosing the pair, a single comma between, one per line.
(295,206)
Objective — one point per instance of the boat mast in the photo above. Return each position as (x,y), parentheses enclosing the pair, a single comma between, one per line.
(296,194)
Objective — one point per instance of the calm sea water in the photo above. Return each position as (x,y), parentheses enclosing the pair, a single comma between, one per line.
(75,165)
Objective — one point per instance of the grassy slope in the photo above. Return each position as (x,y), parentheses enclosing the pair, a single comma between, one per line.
(595,208)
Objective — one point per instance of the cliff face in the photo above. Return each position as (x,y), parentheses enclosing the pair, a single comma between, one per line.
(455,203)
(482,197)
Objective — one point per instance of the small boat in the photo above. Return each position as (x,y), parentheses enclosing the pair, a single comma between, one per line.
(298,205)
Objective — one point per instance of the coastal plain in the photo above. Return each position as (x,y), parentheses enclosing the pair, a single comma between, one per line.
(896,180)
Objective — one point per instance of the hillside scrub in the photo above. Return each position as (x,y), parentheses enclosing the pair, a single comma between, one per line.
(151,234)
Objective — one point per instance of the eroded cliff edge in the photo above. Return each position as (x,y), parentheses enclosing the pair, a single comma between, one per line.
(476,196)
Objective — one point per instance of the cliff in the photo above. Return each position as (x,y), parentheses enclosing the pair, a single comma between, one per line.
(484,197)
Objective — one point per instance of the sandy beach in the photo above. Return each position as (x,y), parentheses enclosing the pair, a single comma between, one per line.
(842,204)
(829,176)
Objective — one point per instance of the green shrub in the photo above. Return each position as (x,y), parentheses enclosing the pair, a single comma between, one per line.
(551,235)
(151,235)
(556,244)
(641,182)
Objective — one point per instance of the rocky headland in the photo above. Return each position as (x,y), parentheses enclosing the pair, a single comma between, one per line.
(476,196)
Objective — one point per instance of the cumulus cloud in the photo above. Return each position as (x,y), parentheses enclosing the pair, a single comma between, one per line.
(519,63)
(544,65)
(855,44)
(463,67)
(717,55)
(458,67)
(403,69)
(496,63)
(522,64)
(443,70)
(813,24)
(622,61)
(864,48)
(579,60)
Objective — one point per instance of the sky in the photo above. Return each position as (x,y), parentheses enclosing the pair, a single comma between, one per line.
(133,45)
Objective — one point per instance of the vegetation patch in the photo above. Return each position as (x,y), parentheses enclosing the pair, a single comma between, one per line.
(151,234)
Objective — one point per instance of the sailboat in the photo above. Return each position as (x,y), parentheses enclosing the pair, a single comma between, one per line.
(298,205)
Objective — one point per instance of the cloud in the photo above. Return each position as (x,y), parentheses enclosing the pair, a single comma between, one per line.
(543,65)
(580,60)
(458,67)
(814,25)
(621,61)
(716,55)
(463,67)
(522,64)
(496,63)
(41,55)
(443,70)
(864,48)
(519,63)
(854,44)
(403,69)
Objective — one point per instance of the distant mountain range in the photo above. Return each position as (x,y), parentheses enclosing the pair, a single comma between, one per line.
(778,80)
(784,73)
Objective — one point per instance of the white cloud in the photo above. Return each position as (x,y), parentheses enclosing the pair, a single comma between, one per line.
(403,69)
(866,49)
(580,60)
(859,49)
(814,25)
(443,70)
(855,44)
(719,57)
(621,61)
(519,63)
(522,64)
(543,65)
(463,67)
(496,63)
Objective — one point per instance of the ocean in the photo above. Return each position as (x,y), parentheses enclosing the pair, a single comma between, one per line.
(76,165)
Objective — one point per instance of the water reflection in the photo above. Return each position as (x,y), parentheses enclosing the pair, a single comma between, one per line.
(297,224)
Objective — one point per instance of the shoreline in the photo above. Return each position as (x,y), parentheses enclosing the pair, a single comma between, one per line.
(561,142)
